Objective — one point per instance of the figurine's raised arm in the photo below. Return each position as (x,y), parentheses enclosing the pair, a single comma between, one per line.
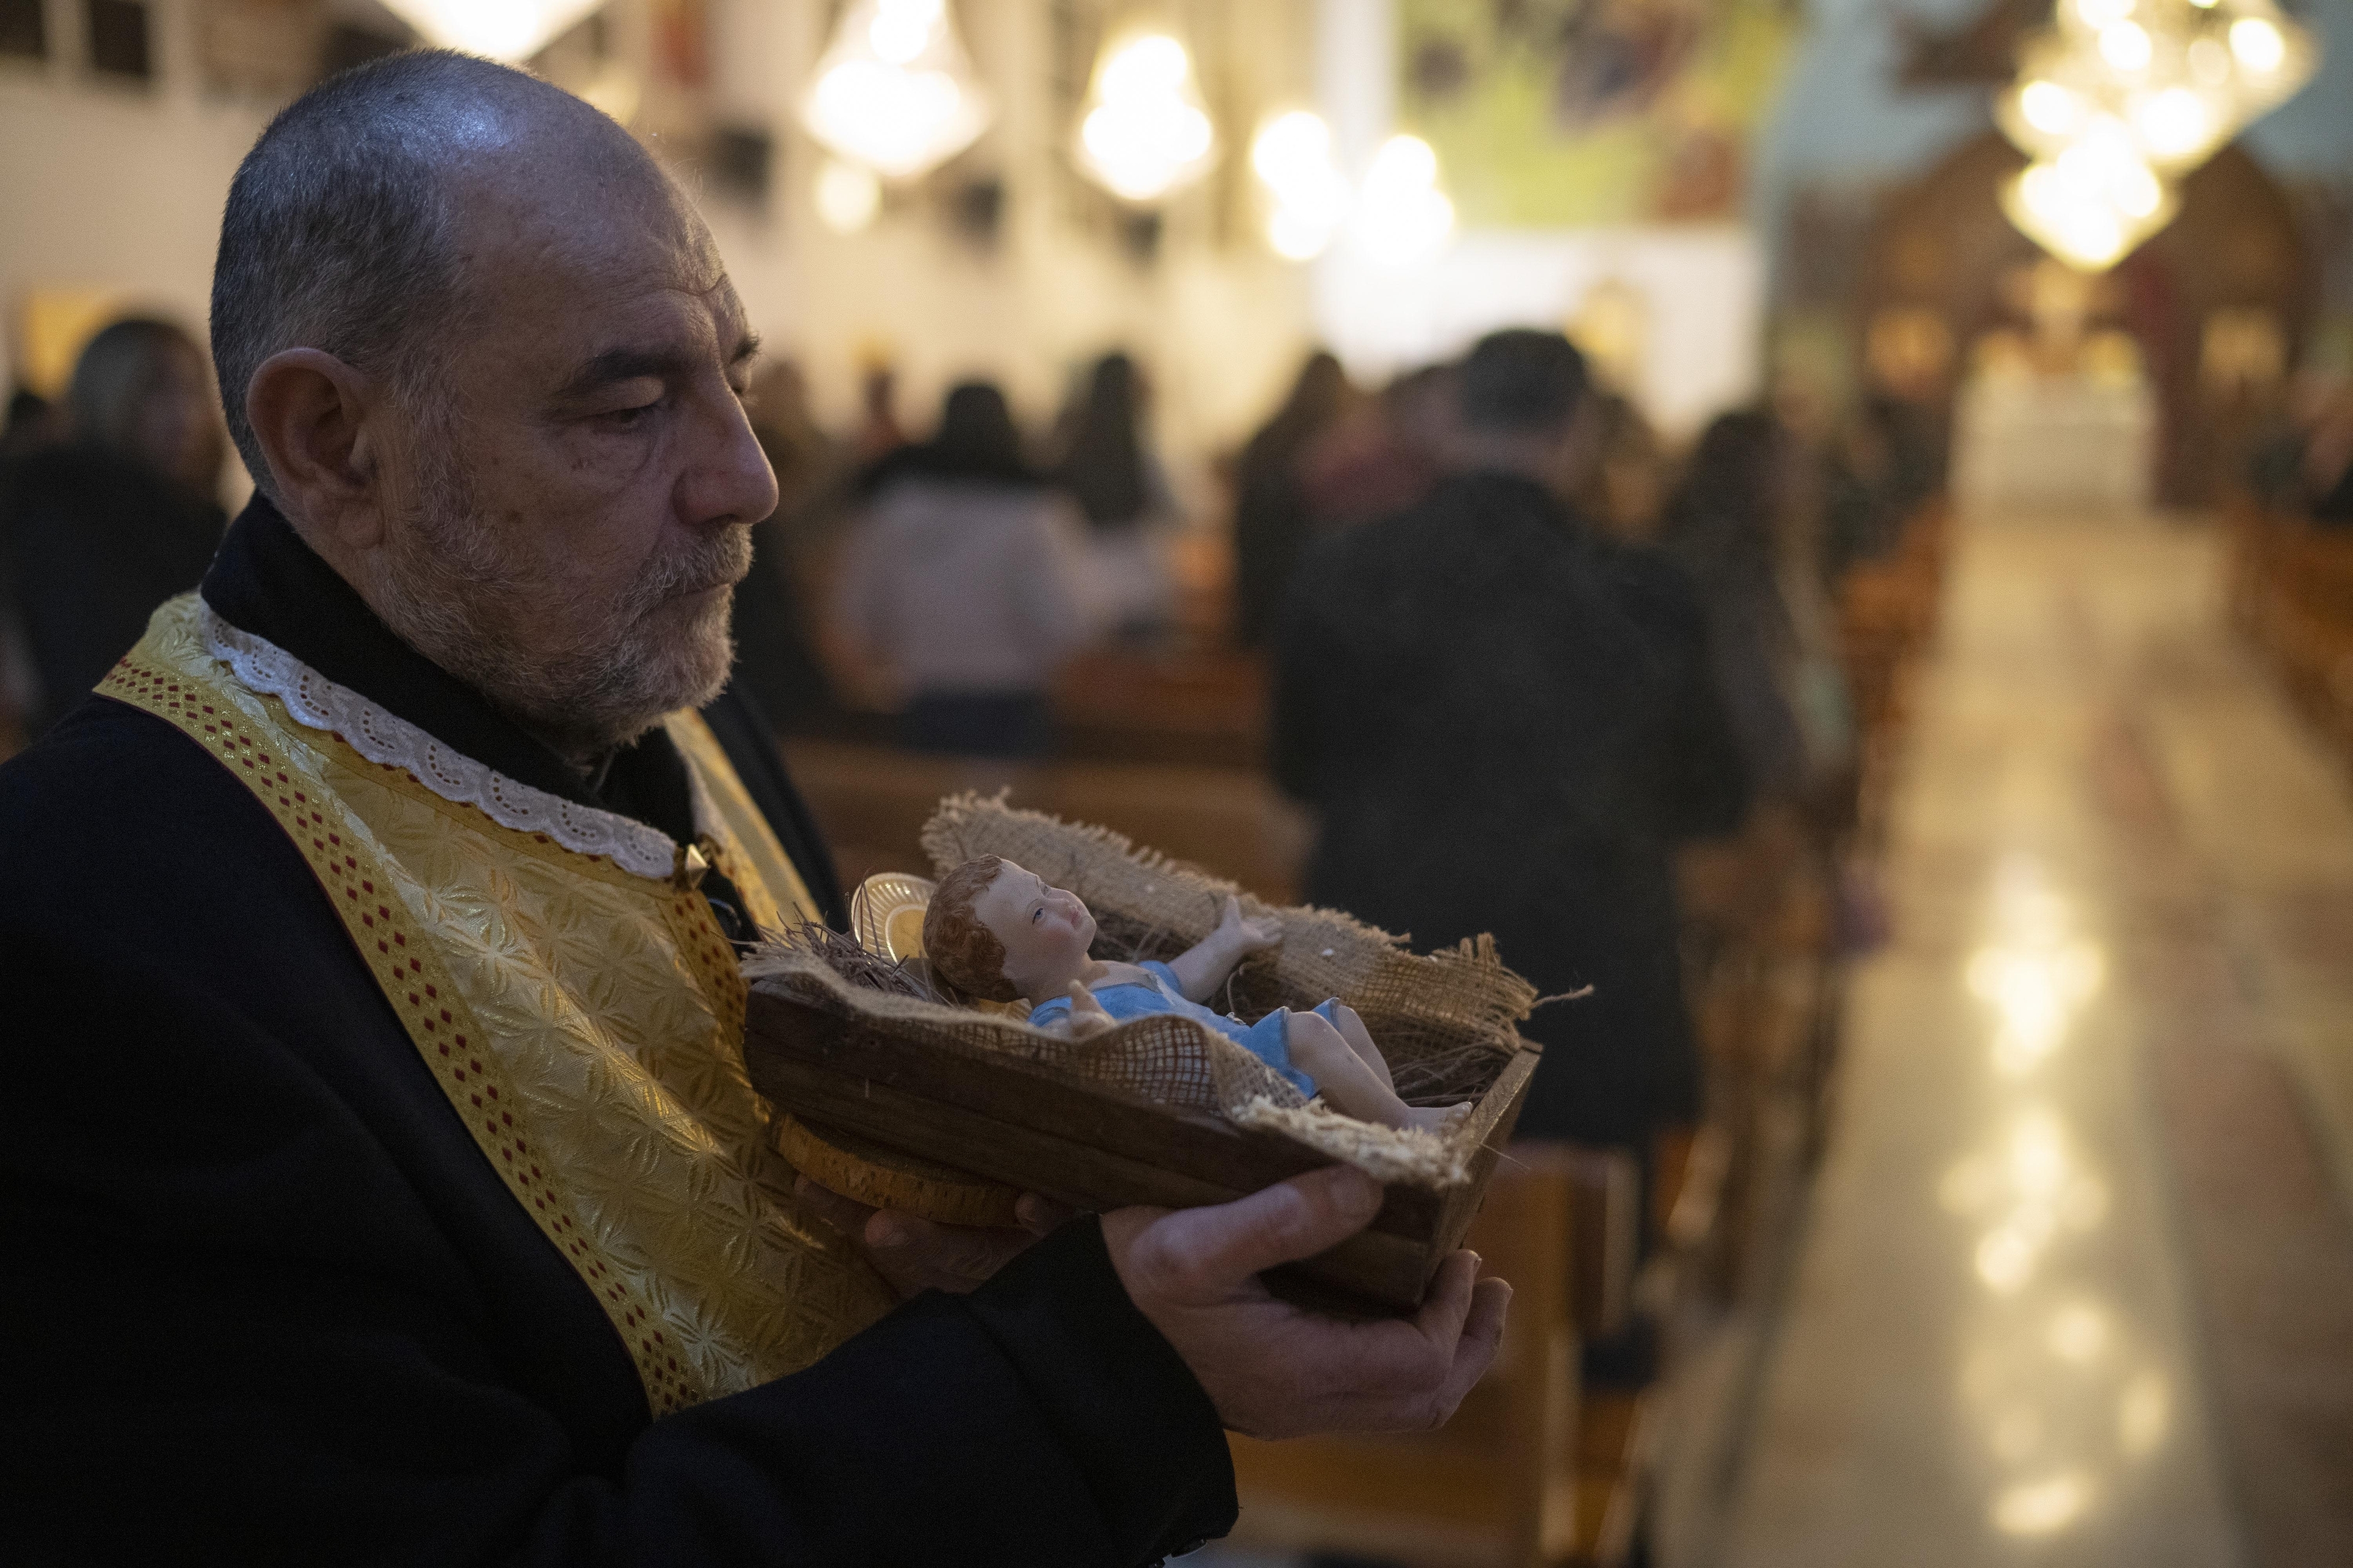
(1203,967)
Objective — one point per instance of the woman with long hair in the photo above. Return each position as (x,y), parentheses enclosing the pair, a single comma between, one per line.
(1272,518)
(1729,523)
(120,515)
(1107,467)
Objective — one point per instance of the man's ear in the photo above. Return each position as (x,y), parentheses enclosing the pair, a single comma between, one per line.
(319,424)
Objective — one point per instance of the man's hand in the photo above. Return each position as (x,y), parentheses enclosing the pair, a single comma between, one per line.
(916,1254)
(1278,1371)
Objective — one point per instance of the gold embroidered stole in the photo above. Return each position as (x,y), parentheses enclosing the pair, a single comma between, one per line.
(585,1019)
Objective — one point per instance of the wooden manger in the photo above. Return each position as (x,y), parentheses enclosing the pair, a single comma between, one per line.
(1158,1111)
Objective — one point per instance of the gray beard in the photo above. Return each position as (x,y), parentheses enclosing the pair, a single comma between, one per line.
(448,590)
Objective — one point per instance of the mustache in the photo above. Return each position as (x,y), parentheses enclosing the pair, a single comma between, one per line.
(722,561)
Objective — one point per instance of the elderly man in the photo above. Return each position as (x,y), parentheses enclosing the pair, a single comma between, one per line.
(381,1177)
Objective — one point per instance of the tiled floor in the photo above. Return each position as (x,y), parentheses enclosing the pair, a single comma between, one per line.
(2077,1287)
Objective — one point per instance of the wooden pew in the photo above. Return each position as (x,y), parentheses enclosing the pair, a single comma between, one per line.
(2292,590)
(871,802)
(1200,705)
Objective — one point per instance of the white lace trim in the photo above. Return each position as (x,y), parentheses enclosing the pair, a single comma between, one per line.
(381,737)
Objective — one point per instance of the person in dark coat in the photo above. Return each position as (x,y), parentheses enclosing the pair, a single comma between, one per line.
(103,527)
(412,800)
(1507,722)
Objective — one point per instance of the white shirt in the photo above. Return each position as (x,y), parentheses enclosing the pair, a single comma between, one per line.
(956,586)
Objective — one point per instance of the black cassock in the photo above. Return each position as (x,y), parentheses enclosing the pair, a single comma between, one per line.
(1507,725)
(263,1300)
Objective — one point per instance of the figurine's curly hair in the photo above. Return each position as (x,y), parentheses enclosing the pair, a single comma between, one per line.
(961,949)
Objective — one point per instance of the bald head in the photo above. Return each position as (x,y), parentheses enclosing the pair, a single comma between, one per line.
(354,224)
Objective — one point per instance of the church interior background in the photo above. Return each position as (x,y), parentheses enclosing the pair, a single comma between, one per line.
(2018,1226)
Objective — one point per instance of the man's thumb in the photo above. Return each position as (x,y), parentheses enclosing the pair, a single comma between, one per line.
(1213,1250)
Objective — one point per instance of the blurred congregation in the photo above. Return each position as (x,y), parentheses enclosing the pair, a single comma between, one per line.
(1618,518)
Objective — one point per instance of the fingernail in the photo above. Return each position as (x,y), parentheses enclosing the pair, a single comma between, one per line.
(886,1232)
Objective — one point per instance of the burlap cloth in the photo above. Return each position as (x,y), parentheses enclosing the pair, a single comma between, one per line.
(1444,1021)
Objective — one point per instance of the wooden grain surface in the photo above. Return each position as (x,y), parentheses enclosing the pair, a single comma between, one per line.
(1096,1148)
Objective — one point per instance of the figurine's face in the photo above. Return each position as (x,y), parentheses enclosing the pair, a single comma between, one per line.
(1046,931)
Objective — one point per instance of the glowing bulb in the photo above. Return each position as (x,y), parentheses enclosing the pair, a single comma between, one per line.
(848,197)
(2005,1259)
(502,29)
(902,29)
(2259,44)
(1402,217)
(1147,134)
(2049,108)
(2173,123)
(895,91)
(2078,1332)
(2039,1508)
(2141,1414)
(1292,155)
(1151,66)
(1402,162)
(2126,47)
(1296,236)
(1288,144)
(2098,14)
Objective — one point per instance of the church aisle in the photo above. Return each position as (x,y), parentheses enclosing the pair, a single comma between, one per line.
(2021,1329)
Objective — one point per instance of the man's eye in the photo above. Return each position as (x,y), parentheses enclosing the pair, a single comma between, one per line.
(1039,915)
(627,418)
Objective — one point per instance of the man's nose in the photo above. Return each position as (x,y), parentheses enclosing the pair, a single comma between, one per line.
(730,480)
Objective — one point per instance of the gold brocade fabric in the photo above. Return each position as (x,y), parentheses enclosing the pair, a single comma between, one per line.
(586,1021)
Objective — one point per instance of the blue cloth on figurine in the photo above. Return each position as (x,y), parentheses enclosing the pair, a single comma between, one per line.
(1133,999)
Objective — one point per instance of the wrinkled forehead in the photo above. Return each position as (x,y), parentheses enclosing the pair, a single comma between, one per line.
(564,245)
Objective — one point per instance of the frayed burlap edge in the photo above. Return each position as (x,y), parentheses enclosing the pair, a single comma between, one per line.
(1462,992)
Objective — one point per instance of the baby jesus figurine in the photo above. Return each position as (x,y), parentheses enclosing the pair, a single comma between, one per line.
(998,931)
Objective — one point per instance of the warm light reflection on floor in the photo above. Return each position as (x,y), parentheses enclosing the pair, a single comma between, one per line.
(2035,973)
(2057,1393)
(1988,1361)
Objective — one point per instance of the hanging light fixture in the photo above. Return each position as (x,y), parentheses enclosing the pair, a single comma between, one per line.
(1145,135)
(501,30)
(895,91)
(2120,96)
(1402,219)
(2090,205)
(1307,195)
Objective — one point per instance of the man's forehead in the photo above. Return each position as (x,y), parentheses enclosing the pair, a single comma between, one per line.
(569,231)
(562,300)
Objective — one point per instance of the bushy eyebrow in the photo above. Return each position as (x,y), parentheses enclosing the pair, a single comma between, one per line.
(615,365)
